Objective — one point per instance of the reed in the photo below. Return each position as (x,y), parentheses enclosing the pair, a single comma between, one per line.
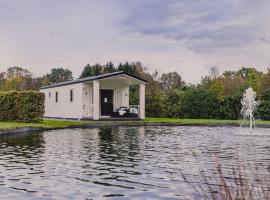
(238,183)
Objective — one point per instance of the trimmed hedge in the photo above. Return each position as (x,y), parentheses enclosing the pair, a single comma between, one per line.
(21,106)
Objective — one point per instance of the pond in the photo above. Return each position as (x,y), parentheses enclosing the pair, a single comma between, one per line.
(119,163)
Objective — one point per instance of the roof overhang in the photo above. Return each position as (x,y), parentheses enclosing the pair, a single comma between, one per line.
(119,74)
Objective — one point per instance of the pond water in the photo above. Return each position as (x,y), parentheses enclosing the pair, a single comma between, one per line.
(120,163)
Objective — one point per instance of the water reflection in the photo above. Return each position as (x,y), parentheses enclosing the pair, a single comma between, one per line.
(24,143)
(21,160)
(115,144)
(124,162)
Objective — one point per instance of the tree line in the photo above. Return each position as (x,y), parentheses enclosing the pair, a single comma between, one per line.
(217,96)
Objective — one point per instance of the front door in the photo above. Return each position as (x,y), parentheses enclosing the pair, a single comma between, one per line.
(106,102)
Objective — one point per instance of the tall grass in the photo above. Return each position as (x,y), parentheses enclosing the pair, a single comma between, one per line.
(238,183)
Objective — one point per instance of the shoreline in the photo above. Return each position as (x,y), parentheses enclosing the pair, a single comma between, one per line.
(102,124)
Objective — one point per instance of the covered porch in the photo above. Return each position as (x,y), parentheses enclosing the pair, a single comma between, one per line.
(108,99)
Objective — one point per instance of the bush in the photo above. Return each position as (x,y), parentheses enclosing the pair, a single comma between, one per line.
(173,104)
(200,103)
(230,107)
(264,105)
(21,106)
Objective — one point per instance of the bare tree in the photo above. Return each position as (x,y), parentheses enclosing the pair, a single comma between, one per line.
(214,72)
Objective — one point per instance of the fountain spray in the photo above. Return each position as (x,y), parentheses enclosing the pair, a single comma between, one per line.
(249,105)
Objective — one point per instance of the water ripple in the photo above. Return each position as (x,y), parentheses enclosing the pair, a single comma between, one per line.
(121,163)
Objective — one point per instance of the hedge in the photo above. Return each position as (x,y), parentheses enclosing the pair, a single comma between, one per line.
(21,106)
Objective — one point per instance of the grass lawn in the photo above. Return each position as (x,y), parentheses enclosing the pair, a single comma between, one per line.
(190,121)
(44,124)
(199,121)
(63,124)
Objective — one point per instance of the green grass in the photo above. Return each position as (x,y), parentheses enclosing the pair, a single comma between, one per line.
(44,124)
(198,121)
(191,121)
(63,124)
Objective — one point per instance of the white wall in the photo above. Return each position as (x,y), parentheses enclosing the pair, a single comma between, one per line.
(87,100)
(64,108)
(82,105)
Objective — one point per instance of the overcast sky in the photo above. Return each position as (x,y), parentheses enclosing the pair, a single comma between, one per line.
(188,36)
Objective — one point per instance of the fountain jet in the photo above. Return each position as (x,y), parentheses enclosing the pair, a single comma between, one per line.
(249,105)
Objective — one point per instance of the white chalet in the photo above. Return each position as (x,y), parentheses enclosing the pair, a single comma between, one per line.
(96,97)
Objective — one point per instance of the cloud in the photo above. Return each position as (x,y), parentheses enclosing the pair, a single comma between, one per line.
(187,36)
(223,33)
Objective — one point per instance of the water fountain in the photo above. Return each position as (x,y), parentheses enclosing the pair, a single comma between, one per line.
(249,105)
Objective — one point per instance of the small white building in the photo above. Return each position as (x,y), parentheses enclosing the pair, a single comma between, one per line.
(96,97)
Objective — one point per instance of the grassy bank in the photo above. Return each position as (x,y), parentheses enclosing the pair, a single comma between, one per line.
(63,124)
(191,121)
(198,121)
(44,124)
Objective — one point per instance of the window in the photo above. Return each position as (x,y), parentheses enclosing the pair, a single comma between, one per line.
(56,97)
(71,95)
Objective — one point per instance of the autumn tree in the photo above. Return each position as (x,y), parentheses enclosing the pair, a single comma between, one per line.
(16,78)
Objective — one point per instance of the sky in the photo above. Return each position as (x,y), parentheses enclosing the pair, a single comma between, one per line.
(187,36)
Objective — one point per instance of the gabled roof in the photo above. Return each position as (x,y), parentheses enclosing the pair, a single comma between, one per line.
(92,78)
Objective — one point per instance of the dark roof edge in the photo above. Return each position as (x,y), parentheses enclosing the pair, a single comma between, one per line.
(93,78)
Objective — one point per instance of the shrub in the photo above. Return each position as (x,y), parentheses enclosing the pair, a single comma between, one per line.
(173,104)
(200,103)
(264,105)
(229,107)
(21,106)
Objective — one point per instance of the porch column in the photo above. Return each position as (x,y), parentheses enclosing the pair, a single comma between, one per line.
(96,100)
(142,100)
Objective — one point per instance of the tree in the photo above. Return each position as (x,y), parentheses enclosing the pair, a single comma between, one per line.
(265,81)
(57,75)
(217,88)
(200,102)
(232,83)
(153,97)
(128,68)
(264,105)
(252,77)
(214,72)
(173,103)
(230,107)
(90,70)
(36,83)
(13,72)
(171,80)
(2,78)
(16,78)
(109,68)
(45,80)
